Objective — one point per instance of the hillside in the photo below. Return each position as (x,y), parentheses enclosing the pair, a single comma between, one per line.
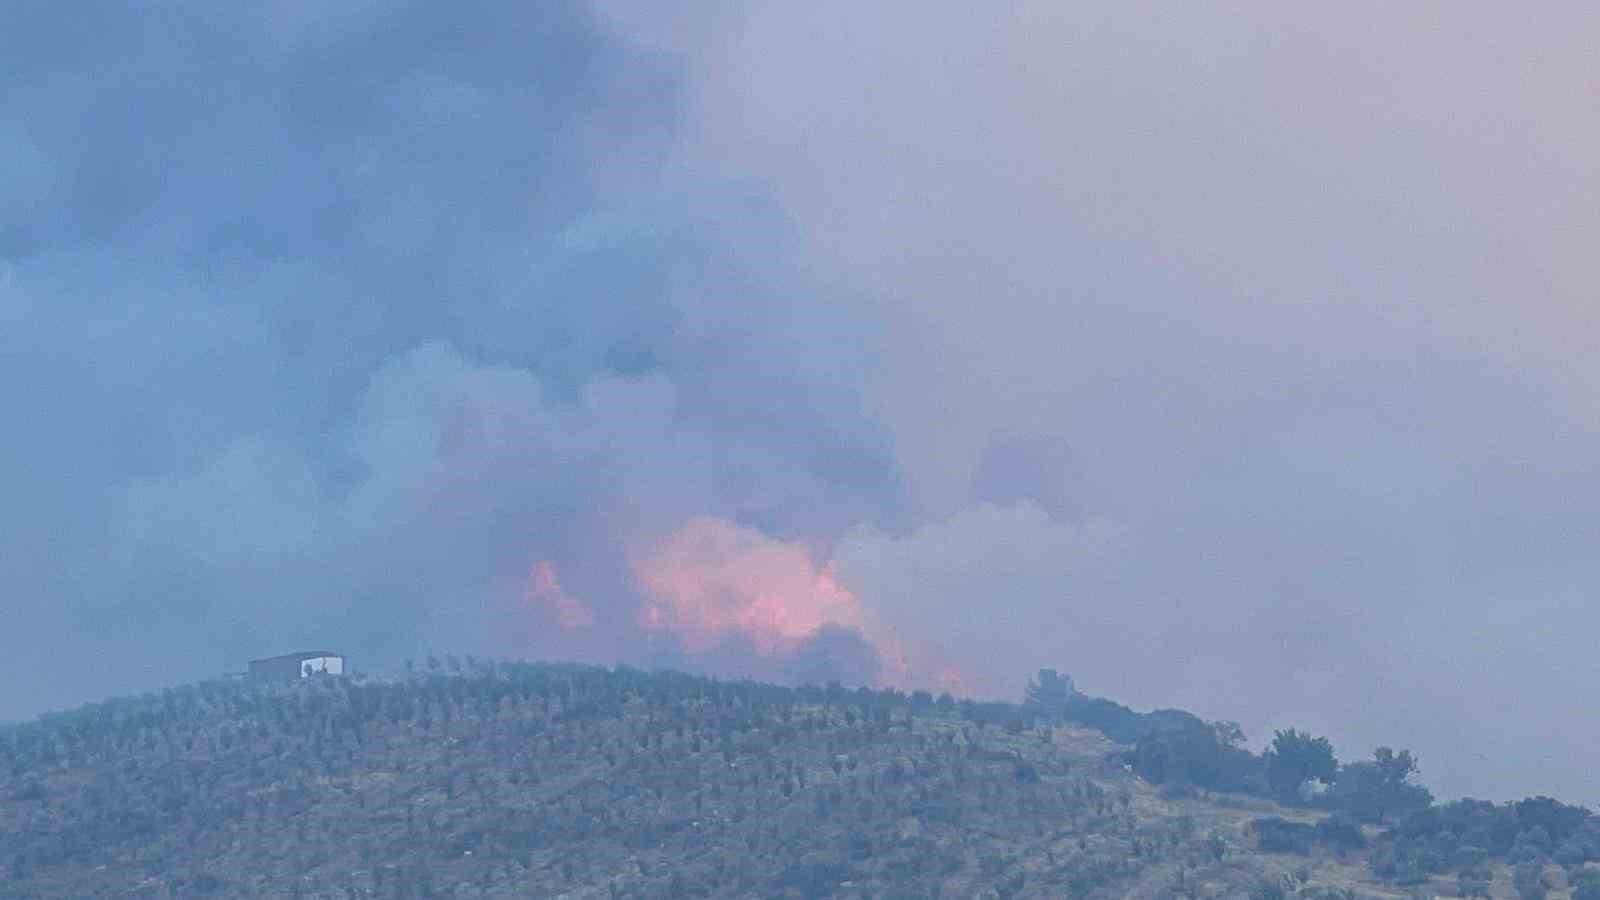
(559,780)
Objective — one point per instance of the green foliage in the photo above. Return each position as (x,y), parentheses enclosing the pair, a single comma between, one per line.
(1466,835)
(539,780)
(1473,882)
(1342,832)
(1407,861)
(1229,734)
(1528,879)
(1193,753)
(1271,889)
(1295,758)
(1275,834)
(1050,694)
(1373,791)
(1586,884)
(1395,767)
(1559,820)
(542,780)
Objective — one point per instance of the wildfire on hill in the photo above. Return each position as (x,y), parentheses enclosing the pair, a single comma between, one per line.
(711,579)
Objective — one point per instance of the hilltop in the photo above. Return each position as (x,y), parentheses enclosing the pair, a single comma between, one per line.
(534,780)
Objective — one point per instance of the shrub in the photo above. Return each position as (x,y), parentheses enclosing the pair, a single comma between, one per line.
(1341,830)
(1295,758)
(1586,885)
(1178,790)
(1473,882)
(1275,834)
(1528,879)
(1269,889)
(1192,753)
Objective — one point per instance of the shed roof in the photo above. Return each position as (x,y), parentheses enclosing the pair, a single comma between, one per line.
(302,655)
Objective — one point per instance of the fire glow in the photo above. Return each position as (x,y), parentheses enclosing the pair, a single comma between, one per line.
(711,577)
(711,580)
(544,594)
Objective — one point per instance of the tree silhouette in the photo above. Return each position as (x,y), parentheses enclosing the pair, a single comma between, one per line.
(1050,693)
(1295,758)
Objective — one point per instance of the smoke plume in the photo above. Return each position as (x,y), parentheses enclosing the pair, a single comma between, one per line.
(1229,361)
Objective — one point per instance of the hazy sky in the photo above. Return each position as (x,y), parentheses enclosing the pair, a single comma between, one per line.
(1236,359)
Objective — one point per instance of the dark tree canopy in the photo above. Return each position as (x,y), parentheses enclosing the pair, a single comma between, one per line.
(1197,754)
(1377,790)
(1229,734)
(1395,767)
(1050,693)
(1295,758)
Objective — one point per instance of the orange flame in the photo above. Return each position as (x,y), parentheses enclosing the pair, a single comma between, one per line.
(711,576)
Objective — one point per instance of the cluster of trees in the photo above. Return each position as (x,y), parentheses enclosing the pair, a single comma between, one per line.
(1465,835)
(1420,839)
(538,780)
(544,779)
(1180,750)
(1296,769)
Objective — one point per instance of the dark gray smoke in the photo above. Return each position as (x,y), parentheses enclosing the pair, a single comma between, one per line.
(1237,362)
(1309,295)
(324,324)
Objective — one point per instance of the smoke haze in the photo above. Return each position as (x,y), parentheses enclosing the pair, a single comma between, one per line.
(1237,361)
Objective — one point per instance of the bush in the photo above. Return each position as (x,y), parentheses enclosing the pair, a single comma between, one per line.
(1341,830)
(1275,834)
(1295,758)
(1577,850)
(1528,879)
(1405,862)
(1193,754)
(1586,885)
(1557,820)
(1178,790)
(1473,882)
(1269,889)
(1373,791)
